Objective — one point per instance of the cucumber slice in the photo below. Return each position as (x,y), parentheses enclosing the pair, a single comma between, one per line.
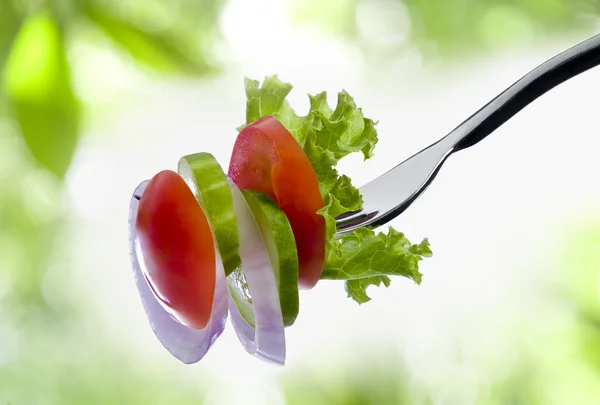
(267,339)
(205,177)
(281,245)
(208,182)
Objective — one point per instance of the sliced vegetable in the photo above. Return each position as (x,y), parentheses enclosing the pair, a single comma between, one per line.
(366,257)
(267,158)
(267,339)
(204,176)
(240,294)
(186,344)
(327,135)
(279,240)
(179,249)
(272,221)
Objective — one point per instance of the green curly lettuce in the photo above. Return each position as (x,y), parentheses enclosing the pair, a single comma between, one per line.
(327,135)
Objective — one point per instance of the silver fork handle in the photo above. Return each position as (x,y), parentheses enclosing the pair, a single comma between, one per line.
(393,192)
(540,80)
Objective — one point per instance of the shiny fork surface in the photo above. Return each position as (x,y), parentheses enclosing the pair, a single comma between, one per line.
(392,193)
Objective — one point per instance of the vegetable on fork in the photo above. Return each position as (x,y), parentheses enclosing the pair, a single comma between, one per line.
(204,242)
(285,217)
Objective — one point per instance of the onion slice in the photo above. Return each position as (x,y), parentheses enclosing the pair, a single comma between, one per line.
(267,339)
(186,344)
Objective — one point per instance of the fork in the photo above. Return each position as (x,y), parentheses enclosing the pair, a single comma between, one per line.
(393,192)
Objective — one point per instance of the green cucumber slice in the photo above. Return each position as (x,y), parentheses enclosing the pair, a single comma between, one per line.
(279,240)
(206,178)
(281,245)
(208,182)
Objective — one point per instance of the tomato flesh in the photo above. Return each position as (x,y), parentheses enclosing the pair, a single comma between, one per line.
(267,158)
(178,249)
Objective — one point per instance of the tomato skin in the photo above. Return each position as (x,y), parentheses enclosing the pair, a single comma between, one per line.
(267,158)
(178,249)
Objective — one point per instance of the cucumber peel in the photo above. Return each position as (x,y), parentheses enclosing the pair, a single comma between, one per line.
(279,240)
(281,245)
(206,178)
(208,182)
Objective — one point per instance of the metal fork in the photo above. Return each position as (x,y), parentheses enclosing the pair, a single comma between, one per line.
(393,192)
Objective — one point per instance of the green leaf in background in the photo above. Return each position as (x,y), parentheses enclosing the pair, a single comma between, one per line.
(378,376)
(336,16)
(159,52)
(38,88)
(442,27)
(580,262)
(9,23)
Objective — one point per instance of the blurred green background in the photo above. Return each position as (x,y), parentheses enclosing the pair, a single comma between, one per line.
(86,82)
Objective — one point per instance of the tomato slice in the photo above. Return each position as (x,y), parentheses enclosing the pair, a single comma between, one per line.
(178,249)
(267,158)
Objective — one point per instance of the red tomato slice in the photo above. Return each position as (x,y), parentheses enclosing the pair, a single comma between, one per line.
(267,158)
(178,249)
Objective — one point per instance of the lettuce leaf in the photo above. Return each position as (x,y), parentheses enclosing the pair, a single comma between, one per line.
(365,254)
(357,288)
(327,135)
